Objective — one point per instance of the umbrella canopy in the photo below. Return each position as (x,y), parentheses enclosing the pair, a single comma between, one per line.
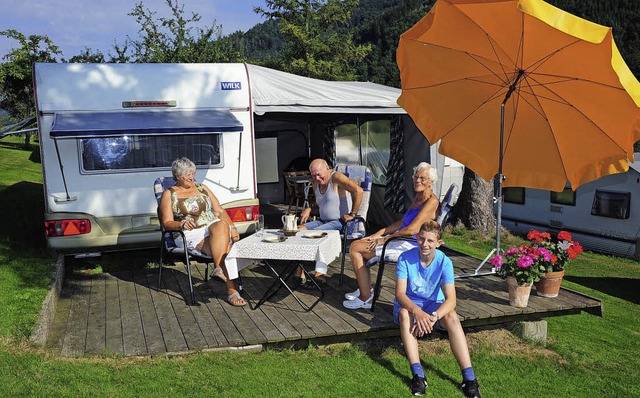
(571,104)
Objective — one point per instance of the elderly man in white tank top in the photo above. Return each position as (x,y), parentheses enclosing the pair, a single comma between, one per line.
(338,199)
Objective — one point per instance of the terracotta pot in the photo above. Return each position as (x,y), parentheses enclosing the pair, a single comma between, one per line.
(549,284)
(518,294)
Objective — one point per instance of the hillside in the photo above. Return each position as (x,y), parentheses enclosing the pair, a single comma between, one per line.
(381,22)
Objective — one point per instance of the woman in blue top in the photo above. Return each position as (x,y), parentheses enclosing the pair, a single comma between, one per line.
(424,208)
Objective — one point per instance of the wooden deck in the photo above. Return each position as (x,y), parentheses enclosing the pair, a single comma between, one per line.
(123,313)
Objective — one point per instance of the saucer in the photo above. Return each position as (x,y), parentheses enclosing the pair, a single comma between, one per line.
(314,235)
(274,239)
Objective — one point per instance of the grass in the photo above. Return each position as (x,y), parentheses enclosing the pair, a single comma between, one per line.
(586,355)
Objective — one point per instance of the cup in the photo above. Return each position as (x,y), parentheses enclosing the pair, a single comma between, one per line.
(260,225)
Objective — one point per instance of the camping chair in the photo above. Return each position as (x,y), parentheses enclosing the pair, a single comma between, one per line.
(172,242)
(444,210)
(355,229)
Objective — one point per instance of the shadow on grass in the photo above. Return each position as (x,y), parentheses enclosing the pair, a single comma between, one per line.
(624,288)
(22,223)
(19,146)
(375,349)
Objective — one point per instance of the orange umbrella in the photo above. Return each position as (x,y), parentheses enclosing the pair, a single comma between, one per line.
(570,105)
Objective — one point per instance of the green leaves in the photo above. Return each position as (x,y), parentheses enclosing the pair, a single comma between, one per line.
(318,39)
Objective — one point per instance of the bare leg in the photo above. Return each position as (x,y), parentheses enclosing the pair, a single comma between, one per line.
(408,339)
(218,245)
(457,339)
(360,253)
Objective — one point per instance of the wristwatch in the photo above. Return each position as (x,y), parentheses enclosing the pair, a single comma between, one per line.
(352,214)
(434,313)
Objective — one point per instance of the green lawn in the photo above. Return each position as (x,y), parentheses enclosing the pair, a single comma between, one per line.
(586,356)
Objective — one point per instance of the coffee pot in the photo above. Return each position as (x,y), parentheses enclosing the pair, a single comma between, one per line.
(289,222)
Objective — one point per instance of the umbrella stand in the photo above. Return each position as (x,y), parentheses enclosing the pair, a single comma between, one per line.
(498,198)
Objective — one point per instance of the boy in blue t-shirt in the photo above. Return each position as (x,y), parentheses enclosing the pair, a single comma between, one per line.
(426,294)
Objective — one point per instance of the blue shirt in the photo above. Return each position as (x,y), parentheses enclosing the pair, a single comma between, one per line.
(425,284)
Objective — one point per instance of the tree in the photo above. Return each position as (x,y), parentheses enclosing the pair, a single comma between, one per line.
(16,95)
(171,40)
(88,56)
(318,41)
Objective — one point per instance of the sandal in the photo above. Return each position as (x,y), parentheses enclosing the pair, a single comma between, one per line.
(355,294)
(236,300)
(218,274)
(357,304)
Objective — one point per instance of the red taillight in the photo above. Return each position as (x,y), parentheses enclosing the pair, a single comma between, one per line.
(67,227)
(243,213)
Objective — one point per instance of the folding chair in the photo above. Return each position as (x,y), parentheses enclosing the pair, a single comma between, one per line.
(298,188)
(444,210)
(355,229)
(172,243)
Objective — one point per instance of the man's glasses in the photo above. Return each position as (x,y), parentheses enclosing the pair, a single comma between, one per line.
(421,179)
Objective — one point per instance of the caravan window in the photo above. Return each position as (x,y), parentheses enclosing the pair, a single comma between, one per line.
(513,195)
(611,204)
(368,145)
(152,151)
(566,197)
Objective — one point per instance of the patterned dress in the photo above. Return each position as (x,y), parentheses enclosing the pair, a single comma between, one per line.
(197,208)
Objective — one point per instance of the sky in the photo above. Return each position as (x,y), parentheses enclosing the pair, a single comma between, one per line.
(73,25)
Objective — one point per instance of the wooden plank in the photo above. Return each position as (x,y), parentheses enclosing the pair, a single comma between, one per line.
(132,328)
(263,280)
(174,340)
(272,320)
(495,294)
(468,305)
(360,320)
(150,324)
(113,317)
(262,322)
(282,302)
(311,319)
(203,318)
(212,294)
(97,321)
(182,310)
(75,336)
(164,319)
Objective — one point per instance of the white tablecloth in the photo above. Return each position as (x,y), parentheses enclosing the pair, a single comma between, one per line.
(298,248)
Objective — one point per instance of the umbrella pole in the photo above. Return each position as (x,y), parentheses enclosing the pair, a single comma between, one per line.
(498,198)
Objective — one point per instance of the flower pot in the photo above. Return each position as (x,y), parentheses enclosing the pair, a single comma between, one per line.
(549,284)
(518,294)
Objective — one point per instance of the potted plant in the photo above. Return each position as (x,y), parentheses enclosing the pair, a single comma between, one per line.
(562,251)
(519,265)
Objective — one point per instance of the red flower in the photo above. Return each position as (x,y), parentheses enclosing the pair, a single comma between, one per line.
(564,235)
(534,236)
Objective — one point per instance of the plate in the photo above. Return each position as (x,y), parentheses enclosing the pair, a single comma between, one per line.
(289,233)
(274,239)
(314,235)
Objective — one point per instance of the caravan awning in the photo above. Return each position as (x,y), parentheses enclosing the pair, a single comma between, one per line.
(111,124)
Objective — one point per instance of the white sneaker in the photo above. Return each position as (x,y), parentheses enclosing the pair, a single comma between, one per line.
(357,304)
(354,295)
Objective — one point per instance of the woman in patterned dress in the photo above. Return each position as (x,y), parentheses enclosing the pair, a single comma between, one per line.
(194,209)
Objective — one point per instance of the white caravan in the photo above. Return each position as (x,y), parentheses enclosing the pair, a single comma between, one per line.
(107,131)
(603,215)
